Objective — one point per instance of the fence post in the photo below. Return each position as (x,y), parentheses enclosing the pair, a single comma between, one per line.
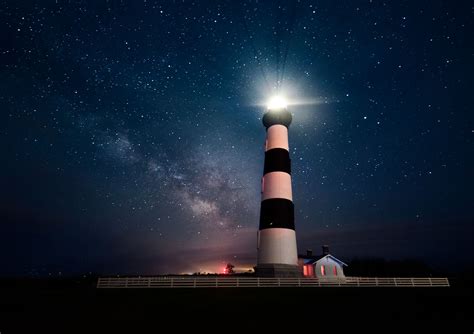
(172,285)
(258,282)
(194,282)
(413,282)
(238,282)
(376,281)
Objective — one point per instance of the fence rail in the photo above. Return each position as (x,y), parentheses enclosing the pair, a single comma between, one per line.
(260,282)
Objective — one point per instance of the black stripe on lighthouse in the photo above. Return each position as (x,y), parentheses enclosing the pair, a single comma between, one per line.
(277,212)
(277,160)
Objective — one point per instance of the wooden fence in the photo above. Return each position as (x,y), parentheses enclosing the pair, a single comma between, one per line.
(260,282)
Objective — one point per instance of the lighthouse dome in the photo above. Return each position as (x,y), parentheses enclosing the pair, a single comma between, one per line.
(278,116)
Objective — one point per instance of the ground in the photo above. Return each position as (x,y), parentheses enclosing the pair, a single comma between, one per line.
(74,306)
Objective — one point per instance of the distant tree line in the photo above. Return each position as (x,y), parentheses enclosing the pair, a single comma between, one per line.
(387,268)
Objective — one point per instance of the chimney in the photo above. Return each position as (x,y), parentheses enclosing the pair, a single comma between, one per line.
(309,252)
(325,250)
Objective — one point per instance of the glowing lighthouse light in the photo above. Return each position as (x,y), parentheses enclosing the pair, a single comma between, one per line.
(277,102)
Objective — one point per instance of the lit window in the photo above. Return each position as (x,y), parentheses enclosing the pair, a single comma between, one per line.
(335,270)
(323,271)
(305,270)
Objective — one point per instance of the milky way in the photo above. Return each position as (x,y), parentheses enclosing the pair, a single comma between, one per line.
(132,139)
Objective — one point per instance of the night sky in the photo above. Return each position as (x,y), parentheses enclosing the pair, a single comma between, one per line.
(132,141)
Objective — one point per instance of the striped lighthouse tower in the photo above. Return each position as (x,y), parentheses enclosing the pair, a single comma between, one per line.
(277,253)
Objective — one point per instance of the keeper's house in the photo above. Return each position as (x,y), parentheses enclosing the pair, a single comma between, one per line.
(321,266)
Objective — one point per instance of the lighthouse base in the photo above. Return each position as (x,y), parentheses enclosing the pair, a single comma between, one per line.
(278,270)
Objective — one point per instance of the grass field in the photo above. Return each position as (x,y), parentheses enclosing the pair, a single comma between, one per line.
(73,306)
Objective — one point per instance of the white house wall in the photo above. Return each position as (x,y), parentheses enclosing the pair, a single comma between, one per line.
(329,265)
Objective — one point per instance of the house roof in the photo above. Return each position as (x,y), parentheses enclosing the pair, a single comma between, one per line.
(313,259)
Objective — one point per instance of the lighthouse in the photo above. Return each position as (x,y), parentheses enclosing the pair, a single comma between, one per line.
(276,245)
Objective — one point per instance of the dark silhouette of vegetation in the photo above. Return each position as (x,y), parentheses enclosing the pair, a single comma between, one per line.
(229,268)
(378,267)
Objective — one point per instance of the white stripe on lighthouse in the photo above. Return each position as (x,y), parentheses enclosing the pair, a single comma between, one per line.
(279,246)
(276,185)
(277,137)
